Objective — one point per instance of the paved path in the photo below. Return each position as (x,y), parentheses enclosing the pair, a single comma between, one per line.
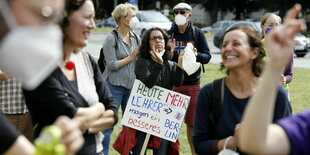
(96,40)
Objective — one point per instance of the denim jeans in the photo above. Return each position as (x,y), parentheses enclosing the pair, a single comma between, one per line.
(121,96)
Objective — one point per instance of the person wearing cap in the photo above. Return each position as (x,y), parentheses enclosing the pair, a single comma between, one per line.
(182,32)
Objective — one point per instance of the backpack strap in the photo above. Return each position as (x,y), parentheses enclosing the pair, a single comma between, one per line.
(196,38)
(115,34)
(217,101)
(136,37)
(101,61)
(195,33)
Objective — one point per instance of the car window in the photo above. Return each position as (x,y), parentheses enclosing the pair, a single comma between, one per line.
(150,16)
(110,19)
(225,24)
(216,25)
(243,24)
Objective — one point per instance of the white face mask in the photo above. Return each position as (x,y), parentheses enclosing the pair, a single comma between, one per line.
(30,53)
(180,19)
(134,23)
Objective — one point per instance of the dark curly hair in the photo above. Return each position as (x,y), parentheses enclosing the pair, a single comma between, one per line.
(255,43)
(145,49)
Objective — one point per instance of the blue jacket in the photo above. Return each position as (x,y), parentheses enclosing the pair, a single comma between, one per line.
(203,51)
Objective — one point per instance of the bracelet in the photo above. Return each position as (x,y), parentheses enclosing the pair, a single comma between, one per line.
(226,141)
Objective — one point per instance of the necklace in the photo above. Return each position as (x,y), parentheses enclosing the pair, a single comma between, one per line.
(69,65)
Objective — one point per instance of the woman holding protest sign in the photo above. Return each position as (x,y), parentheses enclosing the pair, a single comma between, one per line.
(220,104)
(153,67)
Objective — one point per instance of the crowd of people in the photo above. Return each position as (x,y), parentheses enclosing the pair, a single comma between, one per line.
(72,94)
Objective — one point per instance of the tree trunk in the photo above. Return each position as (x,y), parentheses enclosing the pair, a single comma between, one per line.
(283,8)
(214,12)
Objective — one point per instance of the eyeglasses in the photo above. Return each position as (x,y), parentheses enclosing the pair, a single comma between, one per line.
(180,12)
(271,25)
(157,38)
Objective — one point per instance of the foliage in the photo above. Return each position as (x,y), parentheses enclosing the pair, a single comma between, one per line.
(241,8)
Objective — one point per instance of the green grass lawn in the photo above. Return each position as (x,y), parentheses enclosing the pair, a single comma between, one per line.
(299,92)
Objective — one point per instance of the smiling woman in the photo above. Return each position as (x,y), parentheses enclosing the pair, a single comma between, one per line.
(242,55)
(77,90)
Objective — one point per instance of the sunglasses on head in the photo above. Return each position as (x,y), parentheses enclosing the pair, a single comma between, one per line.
(180,12)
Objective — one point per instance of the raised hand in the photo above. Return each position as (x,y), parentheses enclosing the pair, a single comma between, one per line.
(171,43)
(156,57)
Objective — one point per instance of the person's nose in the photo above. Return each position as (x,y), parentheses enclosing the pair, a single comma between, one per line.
(92,24)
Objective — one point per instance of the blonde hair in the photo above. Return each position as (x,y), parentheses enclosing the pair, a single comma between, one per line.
(121,10)
(264,18)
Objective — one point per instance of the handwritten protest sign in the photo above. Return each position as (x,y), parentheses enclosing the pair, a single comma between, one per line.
(156,111)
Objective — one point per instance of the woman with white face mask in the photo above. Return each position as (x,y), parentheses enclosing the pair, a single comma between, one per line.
(120,51)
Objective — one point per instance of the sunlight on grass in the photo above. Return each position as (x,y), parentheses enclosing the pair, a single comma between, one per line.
(103,29)
(209,35)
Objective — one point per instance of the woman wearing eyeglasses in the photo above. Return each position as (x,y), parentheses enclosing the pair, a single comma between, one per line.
(153,67)
(268,22)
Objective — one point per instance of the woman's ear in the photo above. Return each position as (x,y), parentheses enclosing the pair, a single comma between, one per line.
(254,53)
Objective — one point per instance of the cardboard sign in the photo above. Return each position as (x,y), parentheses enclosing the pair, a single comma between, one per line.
(157,111)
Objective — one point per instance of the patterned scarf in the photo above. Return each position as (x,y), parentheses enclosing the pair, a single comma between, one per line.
(86,85)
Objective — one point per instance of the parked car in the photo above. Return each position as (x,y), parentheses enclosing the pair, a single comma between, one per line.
(109,22)
(302,45)
(149,19)
(219,34)
(217,26)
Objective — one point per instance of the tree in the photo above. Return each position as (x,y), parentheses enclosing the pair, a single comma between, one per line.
(211,6)
(241,8)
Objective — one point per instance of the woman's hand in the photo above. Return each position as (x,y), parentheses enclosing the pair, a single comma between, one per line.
(235,138)
(134,54)
(71,136)
(156,57)
(282,80)
(86,116)
(102,123)
(171,43)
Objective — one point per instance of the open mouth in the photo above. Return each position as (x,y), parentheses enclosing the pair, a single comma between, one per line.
(231,57)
